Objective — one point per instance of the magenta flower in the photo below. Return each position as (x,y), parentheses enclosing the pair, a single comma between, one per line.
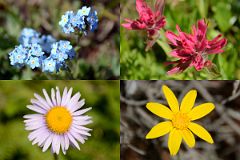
(150,20)
(193,49)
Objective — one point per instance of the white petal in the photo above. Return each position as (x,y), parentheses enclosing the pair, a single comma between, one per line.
(43,101)
(33,126)
(64,97)
(62,142)
(82,132)
(47,97)
(43,138)
(82,111)
(36,109)
(33,116)
(69,94)
(81,127)
(47,143)
(73,141)
(78,105)
(77,136)
(53,97)
(58,97)
(35,133)
(66,140)
(73,101)
(80,122)
(82,118)
(38,103)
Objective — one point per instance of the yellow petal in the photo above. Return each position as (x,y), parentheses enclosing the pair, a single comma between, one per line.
(160,110)
(200,132)
(188,137)
(171,98)
(188,101)
(200,111)
(159,130)
(174,141)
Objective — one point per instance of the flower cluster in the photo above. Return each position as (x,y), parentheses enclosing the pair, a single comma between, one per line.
(150,20)
(193,49)
(85,19)
(41,51)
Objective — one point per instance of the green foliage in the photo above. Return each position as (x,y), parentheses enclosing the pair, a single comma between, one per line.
(97,54)
(102,145)
(223,18)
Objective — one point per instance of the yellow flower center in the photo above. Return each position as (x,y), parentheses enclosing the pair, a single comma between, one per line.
(58,119)
(180,121)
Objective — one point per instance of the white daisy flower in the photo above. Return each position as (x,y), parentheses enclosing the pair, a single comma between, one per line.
(59,121)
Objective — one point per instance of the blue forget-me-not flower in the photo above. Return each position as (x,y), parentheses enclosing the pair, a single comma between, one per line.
(85,19)
(41,51)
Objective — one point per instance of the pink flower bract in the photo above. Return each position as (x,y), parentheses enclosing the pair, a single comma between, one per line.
(150,20)
(193,49)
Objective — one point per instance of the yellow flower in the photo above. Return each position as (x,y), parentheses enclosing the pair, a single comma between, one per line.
(179,124)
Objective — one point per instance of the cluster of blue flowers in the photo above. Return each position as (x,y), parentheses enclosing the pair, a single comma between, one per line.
(41,51)
(85,19)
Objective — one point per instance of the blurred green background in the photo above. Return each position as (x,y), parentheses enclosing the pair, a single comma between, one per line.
(223,17)
(97,54)
(102,96)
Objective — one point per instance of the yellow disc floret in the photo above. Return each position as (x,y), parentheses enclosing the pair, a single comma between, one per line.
(180,121)
(58,119)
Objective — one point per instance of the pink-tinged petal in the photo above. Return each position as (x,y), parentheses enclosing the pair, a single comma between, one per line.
(81,122)
(180,67)
(160,23)
(143,10)
(216,46)
(172,37)
(183,54)
(159,7)
(134,25)
(127,26)
(198,62)
(202,30)
(47,143)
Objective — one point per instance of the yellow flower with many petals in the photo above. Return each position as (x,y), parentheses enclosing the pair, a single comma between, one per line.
(179,124)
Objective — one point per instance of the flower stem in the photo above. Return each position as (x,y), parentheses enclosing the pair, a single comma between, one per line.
(55,156)
(69,73)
